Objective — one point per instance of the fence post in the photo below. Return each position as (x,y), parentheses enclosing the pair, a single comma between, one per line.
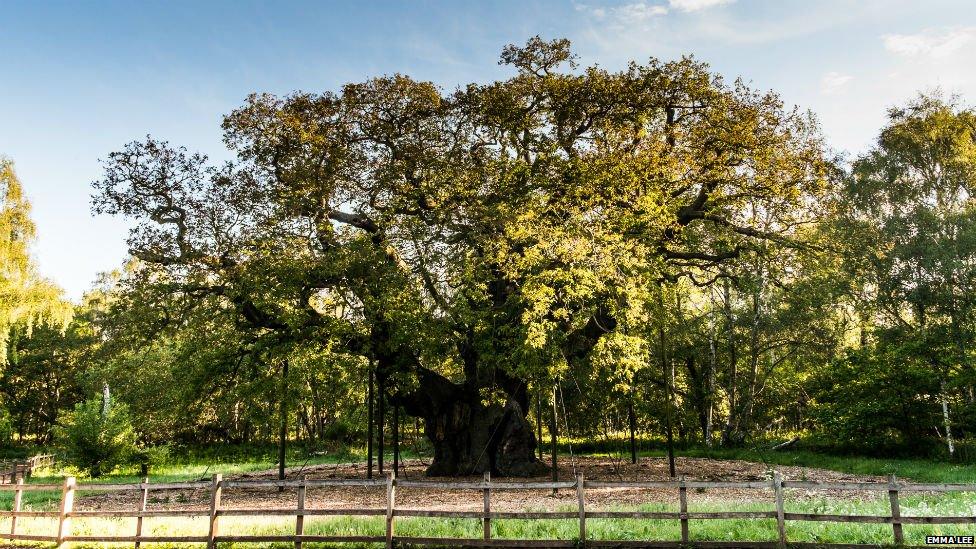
(144,497)
(683,508)
(67,504)
(300,516)
(18,495)
(486,521)
(390,499)
(582,509)
(214,507)
(895,510)
(780,508)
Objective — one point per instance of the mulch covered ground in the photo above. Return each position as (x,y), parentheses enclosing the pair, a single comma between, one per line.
(455,500)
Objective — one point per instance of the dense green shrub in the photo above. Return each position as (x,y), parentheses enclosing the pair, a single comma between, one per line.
(340,431)
(879,400)
(97,440)
(150,457)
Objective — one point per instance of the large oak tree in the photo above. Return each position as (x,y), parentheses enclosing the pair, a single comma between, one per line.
(475,243)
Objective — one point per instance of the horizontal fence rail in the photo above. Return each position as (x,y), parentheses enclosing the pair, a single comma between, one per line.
(390,511)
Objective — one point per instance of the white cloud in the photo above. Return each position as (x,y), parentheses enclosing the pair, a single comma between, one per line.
(609,38)
(850,99)
(597,13)
(626,13)
(931,43)
(697,5)
(639,11)
(833,82)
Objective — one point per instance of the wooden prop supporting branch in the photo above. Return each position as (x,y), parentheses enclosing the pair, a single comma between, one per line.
(380,425)
(554,436)
(396,440)
(632,420)
(538,421)
(668,381)
(283,422)
(369,424)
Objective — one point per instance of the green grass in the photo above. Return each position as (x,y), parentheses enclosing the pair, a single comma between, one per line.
(617,529)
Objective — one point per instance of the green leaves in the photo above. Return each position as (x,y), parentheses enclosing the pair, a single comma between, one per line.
(512,230)
(913,218)
(25,297)
(94,441)
(878,400)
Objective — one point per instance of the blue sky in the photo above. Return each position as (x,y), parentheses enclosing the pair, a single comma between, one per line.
(78,80)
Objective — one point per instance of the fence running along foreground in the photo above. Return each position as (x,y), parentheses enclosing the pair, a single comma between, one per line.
(391,511)
(10,471)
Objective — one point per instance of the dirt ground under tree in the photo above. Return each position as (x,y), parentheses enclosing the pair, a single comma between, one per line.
(592,468)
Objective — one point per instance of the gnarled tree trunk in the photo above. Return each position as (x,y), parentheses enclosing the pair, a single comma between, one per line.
(470,437)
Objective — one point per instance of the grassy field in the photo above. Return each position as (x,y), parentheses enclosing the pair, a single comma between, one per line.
(624,529)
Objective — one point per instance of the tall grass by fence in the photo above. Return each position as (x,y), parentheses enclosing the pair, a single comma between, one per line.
(391,511)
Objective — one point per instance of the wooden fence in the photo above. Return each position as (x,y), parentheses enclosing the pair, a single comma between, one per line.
(391,511)
(10,471)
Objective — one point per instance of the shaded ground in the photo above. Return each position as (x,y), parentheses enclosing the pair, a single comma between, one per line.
(592,468)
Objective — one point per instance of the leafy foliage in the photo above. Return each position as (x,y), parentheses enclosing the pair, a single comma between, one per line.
(95,437)
(884,401)
(472,244)
(25,297)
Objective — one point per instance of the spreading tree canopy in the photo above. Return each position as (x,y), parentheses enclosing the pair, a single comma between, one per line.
(472,243)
